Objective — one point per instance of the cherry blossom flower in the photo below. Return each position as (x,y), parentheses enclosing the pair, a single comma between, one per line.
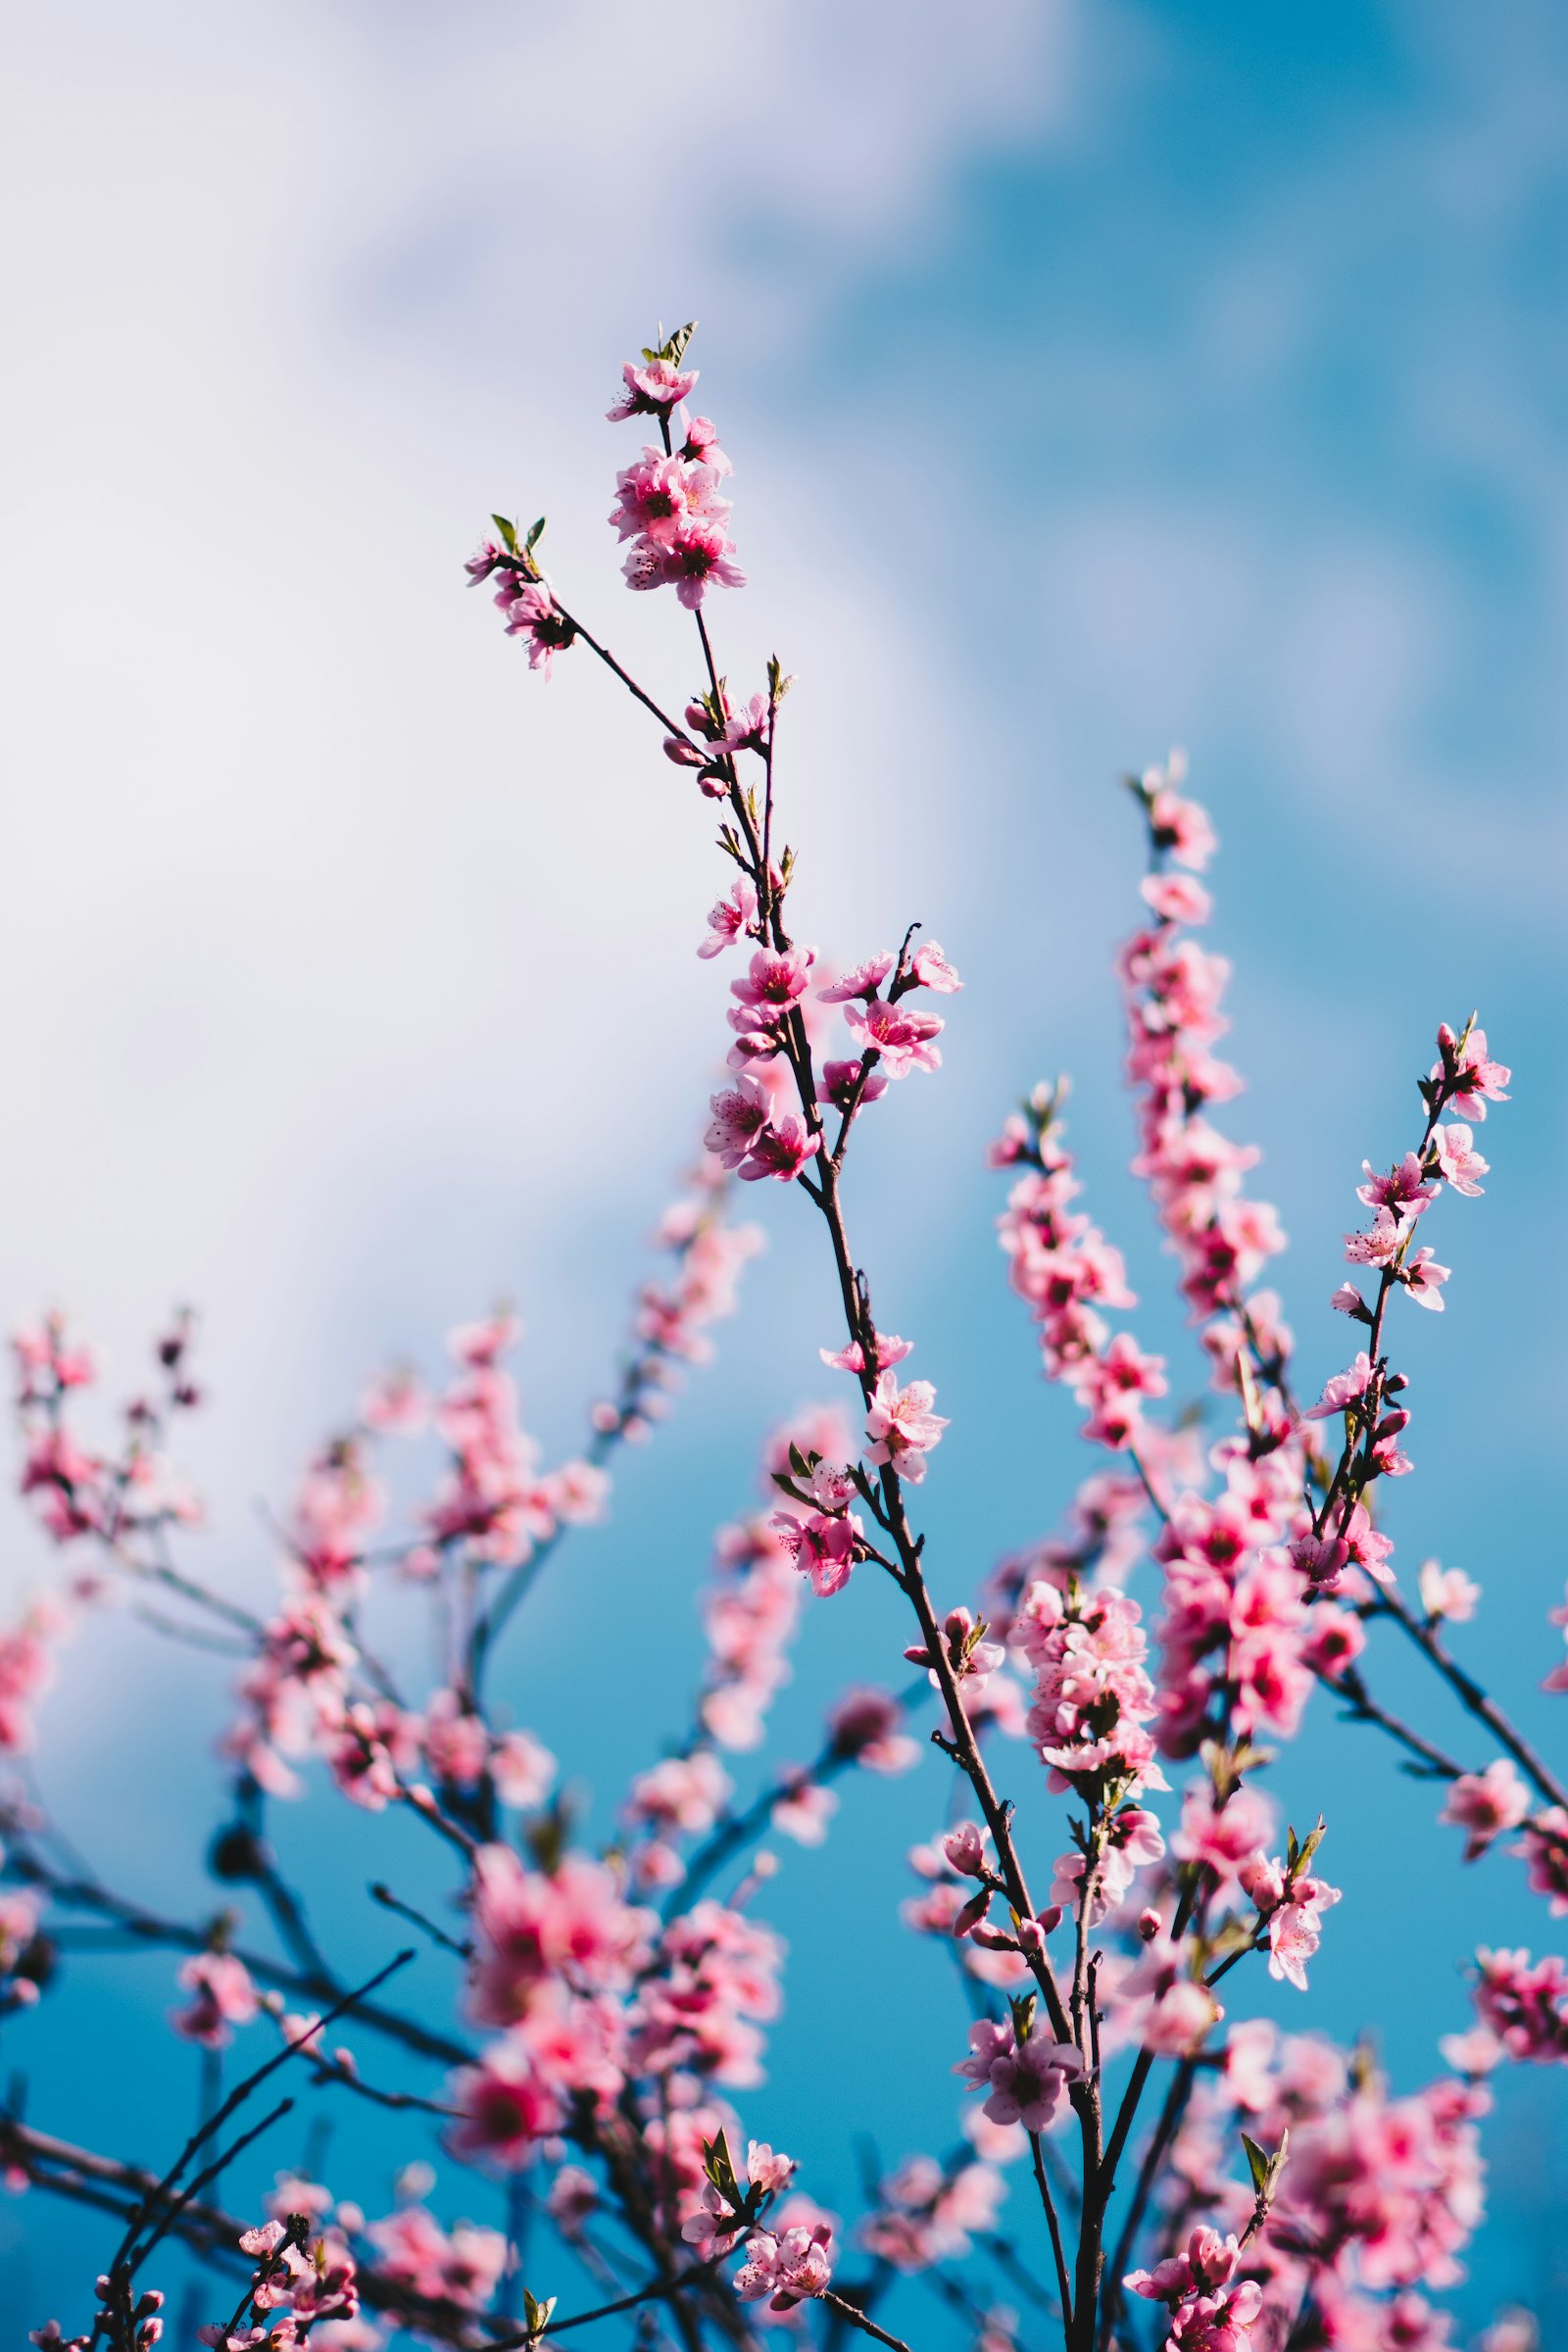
(1177,897)
(1544,1846)
(887,1349)
(700,445)
(930,969)
(531,612)
(1486,1803)
(223,1997)
(1459,1162)
(788,2269)
(899,1033)
(901,1429)
(1466,1077)
(1447,1593)
(1024,2078)
(822,1548)
(729,918)
(1423,1278)
(651,390)
(780,1149)
(843,1083)
(862,980)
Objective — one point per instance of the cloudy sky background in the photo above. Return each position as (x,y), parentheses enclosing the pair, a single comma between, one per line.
(1099,380)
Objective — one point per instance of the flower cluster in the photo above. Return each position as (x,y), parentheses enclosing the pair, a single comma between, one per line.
(462,2265)
(1093,1703)
(1211,2308)
(1524,2004)
(667,502)
(300,2283)
(1174,990)
(927,2213)
(1068,1272)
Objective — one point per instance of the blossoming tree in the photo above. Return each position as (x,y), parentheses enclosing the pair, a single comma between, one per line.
(1135,2160)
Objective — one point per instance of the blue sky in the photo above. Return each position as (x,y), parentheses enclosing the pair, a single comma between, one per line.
(1109,378)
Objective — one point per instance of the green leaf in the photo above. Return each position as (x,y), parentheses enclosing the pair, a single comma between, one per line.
(1257,2164)
(719,2167)
(537,2314)
(508,535)
(1314,1841)
(535,534)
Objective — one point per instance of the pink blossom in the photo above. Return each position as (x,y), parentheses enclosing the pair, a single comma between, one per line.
(887,1349)
(775,980)
(1467,1079)
(1525,2004)
(845,1081)
(1295,1929)
(1461,1165)
(901,1429)
(1403,1189)
(1210,2309)
(803,1811)
(729,918)
(1423,1278)
(1223,1837)
(714,2227)
(504,2107)
(1486,1803)
(699,555)
(930,969)
(456,1743)
(531,612)
(741,1114)
(702,447)
(862,980)
(684,1793)
(1177,897)
(658,495)
(651,390)
(1543,1847)
(521,1770)
(1024,2079)
(787,2270)
(822,1547)
(1345,1390)
(900,1033)
(1381,1244)
(221,1997)
(1447,1593)
(781,1150)
(966,1850)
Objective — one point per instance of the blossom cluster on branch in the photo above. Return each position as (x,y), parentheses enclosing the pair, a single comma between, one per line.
(1135,2159)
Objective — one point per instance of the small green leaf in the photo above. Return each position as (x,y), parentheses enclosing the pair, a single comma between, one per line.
(719,2167)
(535,534)
(508,535)
(1313,1842)
(1276,2162)
(537,2314)
(1257,2164)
